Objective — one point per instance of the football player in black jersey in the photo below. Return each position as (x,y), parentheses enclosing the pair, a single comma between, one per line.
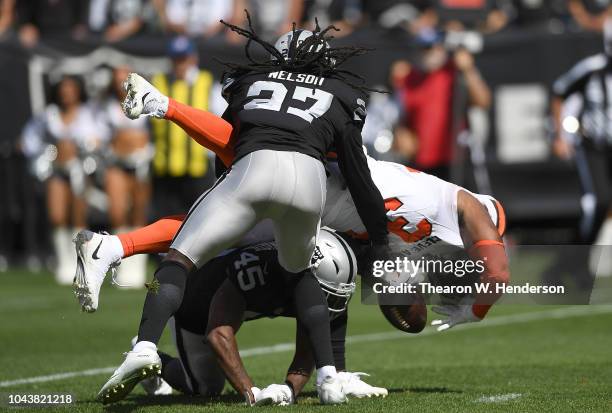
(286,112)
(246,284)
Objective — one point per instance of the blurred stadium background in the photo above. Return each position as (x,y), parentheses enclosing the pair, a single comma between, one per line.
(494,136)
(471,86)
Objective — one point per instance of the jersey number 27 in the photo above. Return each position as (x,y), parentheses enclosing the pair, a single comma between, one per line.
(322,99)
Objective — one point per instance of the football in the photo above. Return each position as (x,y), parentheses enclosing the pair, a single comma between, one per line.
(408,318)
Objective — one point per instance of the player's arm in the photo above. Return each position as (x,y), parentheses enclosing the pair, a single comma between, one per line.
(303,363)
(225,318)
(484,244)
(354,167)
(299,372)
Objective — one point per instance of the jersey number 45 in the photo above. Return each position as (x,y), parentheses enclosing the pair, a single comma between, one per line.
(249,271)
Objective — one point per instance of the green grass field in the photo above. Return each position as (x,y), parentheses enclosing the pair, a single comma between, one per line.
(521,359)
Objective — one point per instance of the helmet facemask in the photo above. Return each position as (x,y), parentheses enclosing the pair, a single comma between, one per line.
(335,267)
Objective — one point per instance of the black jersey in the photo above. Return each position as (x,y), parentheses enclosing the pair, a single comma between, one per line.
(586,91)
(266,287)
(288,111)
(305,113)
(255,271)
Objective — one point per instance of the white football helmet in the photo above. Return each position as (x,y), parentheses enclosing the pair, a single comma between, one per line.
(283,44)
(335,266)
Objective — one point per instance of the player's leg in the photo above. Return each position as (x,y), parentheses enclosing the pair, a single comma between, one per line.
(205,128)
(196,371)
(296,230)
(155,238)
(210,131)
(97,253)
(297,227)
(217,220)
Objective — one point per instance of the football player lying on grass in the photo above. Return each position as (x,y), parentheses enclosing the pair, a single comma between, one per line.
(245,284)
(427,217)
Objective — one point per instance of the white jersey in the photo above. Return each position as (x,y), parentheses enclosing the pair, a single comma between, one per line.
(422,209)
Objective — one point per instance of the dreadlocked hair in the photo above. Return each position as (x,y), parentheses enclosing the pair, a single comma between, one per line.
(310,56)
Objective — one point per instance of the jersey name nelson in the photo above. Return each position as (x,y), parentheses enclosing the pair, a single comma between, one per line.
(297,77)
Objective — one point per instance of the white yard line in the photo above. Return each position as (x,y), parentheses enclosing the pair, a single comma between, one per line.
(59,376)
(287,347)
(497,398)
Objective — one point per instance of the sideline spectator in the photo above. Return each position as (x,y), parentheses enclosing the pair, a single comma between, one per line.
(39,18)
(548,14)
(431,95)
(485,16)
(127,182)
(56,143)
(346,15)
(115,19)
(181,167)
(390,14)
(7,16)
(272,18)
(590,14)
(195,17)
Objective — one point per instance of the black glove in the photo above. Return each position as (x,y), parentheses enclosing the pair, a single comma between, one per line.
(372,253)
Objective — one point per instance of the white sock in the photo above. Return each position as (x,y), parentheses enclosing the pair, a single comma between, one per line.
(325,371)
(162,109)
(158,108)
(115,248)
(144,345)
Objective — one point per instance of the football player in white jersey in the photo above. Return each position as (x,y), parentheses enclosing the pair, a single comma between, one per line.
(427,217)
(432,218)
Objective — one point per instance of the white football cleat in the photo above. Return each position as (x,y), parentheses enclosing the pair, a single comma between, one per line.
(352,385)
(330,391)
(156,386)
(94,259)
(142,98)
(276,395)
(136,367)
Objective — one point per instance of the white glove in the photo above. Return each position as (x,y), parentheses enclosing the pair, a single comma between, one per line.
(455,314)
(355,387)
(276,395)
(256,391)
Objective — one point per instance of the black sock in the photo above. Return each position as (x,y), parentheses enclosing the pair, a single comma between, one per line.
(160,305)
(313,316)
(338,339)
(174,374)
